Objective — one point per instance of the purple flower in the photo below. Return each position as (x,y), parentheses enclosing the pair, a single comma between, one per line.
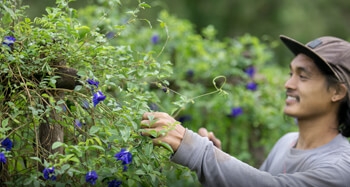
(124,156)
(236,111)
(93,82)
(49,173)
(98,97)
(9,40)
(64,108)
(185,118)
(165,89)
(250,71)
(252,86)
(114,183)
(2,158)
(110,35)
(7,143)
(153,107)
(190,73)
(91,177)
(77,123)
(155,39)
(85,104)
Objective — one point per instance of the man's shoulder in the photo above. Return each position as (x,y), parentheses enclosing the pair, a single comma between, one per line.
(289,137)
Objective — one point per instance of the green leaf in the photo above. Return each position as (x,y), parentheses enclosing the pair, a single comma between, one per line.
(36,158)
(64,167)
(78,88)
(97,147)
(58,144)
(167,146)
(93,130)
(5,122)
(140,172)
(74,159)
(144,5)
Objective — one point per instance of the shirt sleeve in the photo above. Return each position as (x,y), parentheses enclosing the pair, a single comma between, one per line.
(216,168)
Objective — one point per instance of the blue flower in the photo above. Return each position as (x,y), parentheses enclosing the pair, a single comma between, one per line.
(155,39)
(110,35)
(93,82)
(165,89)
(91,177)
(64,108)
(2,158)
(124,156)
(189,73)
(114,183)
(77,123)
(236,111)
(153,107)
(185,118)
(49,173)
(250,71)
(252,86)
(98,97)
(7,143)
(9,40)
(85,104)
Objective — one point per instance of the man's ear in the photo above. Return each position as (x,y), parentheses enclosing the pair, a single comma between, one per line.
(340,93)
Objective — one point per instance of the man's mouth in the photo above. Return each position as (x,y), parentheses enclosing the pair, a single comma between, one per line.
(292,98)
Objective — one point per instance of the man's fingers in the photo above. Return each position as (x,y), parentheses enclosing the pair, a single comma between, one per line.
(203,132)
(216,141)
(210,135)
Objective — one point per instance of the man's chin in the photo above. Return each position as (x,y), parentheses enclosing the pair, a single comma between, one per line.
(289,113)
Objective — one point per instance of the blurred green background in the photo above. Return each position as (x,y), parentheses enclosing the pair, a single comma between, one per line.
(298,18)
(302,20)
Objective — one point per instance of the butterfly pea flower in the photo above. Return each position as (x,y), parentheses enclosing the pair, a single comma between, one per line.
(124,156)
(9,40)
(110,35)
(236,111)
(252,86)
(49,173)
(77,123)
(91,177)
(155,39)
(250,71)
(185,118)
(98,97)
(7,143)
(189,73)
(153,107)
(85,104)
(165,89)
(2,158)
(114,183)
(93,82)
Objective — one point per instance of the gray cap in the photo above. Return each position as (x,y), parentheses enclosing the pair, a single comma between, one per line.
(331,54)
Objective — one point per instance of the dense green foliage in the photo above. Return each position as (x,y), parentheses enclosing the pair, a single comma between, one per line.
(140,66)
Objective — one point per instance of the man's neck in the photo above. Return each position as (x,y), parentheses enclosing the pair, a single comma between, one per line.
(313,134)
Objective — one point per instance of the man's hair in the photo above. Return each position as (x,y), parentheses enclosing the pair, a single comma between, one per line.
(344,108)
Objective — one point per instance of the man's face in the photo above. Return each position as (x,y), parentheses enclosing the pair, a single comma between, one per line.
(307,93)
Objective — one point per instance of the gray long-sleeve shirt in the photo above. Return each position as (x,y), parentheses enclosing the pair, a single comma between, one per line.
(326,166)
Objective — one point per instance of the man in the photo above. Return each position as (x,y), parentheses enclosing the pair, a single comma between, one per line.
(317,95)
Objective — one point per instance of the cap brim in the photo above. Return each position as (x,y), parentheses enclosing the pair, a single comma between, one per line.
(297,47)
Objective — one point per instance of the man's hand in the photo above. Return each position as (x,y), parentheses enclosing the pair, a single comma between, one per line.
(203,132)
(163,129)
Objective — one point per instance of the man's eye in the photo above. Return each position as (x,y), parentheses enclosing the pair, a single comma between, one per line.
(303,77)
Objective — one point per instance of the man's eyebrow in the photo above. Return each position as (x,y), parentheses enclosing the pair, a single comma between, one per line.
(301,69)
